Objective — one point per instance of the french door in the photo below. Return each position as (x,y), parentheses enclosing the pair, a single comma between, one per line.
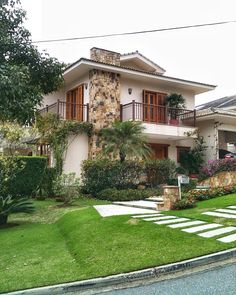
(74,104)
(154,109)
(160,151)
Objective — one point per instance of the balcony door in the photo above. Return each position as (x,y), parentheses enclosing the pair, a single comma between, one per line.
(154,109)
(74,104)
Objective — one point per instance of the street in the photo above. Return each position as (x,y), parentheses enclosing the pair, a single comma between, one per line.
(217,281)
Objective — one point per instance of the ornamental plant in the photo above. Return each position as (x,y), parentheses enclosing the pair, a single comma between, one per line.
(216,166)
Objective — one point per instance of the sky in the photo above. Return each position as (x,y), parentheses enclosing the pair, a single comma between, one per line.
(204,55)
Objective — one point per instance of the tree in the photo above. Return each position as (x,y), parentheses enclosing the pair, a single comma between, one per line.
(25,73)
(125,139)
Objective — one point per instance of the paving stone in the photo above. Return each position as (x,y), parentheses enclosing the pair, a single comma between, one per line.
(186,224)
(226,211)
(172,221)
(139,204)
(217,232)
(232,207)
(147,215)
(159,218)
(228,239)
(113,210)
(218,214)
(201,227)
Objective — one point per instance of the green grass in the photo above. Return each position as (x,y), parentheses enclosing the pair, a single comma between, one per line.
(209,205)
(58,245)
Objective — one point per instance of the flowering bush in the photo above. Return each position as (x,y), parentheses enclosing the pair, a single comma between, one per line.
(215,166)
(186,202)
(201,195)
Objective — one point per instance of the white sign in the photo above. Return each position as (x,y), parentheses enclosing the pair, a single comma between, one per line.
(183,179)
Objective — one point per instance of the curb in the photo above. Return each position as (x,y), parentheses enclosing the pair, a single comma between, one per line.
(128,277)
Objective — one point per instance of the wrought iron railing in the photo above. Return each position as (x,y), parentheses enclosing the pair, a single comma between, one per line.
(157,114)
(67,110)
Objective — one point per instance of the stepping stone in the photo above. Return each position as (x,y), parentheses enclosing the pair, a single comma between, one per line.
(217,232)
(159,218)
(186,224)
(228,239)
(201,227)
(232,207)
(218,214)
(146,215)
(139,204)
(113,210)
(226,211)
(171,221)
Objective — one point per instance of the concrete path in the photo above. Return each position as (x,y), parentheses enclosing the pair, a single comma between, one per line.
(217,232)
(139,204)
(113,210)
(229,212)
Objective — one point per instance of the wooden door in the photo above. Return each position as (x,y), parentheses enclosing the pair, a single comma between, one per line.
(74,104)
(160,151)
(154,107)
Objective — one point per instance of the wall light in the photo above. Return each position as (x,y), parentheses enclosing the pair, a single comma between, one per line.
(130,91)
(86,86)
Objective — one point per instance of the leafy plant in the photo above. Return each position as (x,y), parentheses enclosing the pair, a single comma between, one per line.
(215,166)
(25,73)
(194,159)
(184,203)
(66,186)
(100,174)
(112,194)
(56,132)
(175,100)
(125,140)
(10,205)
(159,171)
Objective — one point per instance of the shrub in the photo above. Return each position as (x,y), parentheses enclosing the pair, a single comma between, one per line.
(184,203)
(28,177)
(46,187)
(10,205)
(98,175)
(216,166)
(66,186)
(159,171)
(206,194)
(112,194)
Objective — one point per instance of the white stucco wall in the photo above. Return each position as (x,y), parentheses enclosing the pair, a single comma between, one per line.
(210,134)
(61,94)
(138,87)
(77,152)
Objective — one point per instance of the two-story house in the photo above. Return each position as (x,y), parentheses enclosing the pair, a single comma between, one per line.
(112,86)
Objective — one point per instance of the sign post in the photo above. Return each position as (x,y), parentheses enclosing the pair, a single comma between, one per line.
(182,179)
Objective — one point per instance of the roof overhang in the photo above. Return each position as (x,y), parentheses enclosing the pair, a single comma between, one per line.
(218,115)
(83,66)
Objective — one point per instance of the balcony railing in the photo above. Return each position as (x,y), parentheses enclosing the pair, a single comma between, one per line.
(67,110)
(157,114)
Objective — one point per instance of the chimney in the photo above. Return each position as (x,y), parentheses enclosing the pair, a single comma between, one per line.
(105,56)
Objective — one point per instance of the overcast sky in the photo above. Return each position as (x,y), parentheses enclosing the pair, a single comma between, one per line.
(201,54)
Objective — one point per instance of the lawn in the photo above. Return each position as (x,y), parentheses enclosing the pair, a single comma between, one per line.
(58,245)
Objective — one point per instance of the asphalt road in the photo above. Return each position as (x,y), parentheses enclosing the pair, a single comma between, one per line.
(217,281)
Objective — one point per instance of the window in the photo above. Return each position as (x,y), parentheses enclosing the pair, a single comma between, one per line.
(74,104)
(182,150)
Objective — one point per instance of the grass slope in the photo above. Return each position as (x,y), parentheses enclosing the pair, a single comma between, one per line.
(80,244)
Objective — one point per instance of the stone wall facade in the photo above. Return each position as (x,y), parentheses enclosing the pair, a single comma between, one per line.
(105,56)
(220,179)
(104,104)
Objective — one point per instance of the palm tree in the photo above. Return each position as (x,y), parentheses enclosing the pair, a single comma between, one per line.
(125,139)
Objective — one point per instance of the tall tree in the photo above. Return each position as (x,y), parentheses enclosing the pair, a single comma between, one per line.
(125,139)
(25,73)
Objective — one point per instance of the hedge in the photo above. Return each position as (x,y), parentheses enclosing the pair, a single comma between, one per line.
(112,194)
(98,175)
(28,179)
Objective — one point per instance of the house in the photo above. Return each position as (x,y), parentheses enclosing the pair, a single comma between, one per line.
(216,121)
(112,86)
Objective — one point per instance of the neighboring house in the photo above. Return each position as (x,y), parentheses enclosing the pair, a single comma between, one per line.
(216,121)
(110,86)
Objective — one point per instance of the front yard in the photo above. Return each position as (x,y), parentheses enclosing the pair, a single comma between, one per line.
(57,245)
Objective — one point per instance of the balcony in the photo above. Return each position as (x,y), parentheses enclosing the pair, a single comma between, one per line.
(158,114)
(68,111)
